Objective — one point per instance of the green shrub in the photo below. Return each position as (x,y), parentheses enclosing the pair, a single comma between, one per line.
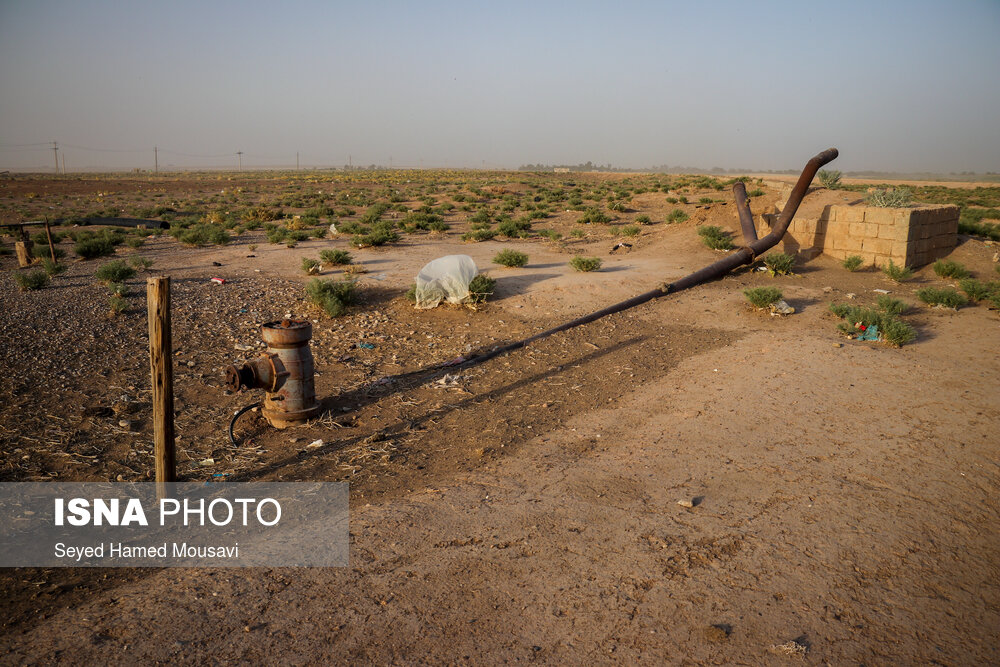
(756,192)
(779,263)
(947,297)
(115,271)
(830,178)
(715,238)
(514,228)
(31,280)
(891,306)
(92,247)
(479,235)
(630,230)
(510,257)
(946,268)
(892,330)
(480,288)
(411,293)
(578,233)
(897,273)
(897,332)
(118,289)
(581,263)
(135,242)
(643,219)
(333,296)
(705,200)
(335,257)
(42,251)
(762,297)
(52,268)
(974,289)
(117,305)
(310,265)
(140,263)
(889,197)
(853,263)
(677,215)
(594,215)
(379,235)
(672,200)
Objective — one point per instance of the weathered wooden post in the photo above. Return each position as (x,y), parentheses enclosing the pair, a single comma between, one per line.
(48,233)
(161,368)
(23,249)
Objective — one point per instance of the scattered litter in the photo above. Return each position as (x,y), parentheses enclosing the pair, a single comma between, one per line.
(206,462)
(838,345)
(243,310)
(380,276)
(220,474)
(790,648)
(448,381)
(251,256)
(218,281)
(850,295)
(315,444)
(781,308)
(445,279)
(762,268)
(867,333)
(366,346)
(881,291)
(216,264)
(333,228)
(693,502)
(618,246)
(827,289)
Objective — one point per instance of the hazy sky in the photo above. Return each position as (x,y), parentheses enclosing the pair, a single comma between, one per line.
(900,85)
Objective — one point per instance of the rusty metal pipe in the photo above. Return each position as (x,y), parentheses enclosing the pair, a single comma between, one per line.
(744,255)
(743,208)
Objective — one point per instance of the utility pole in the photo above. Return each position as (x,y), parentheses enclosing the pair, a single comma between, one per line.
(240,154)
(55,152)
(64,163)
(350,165)
(156,160)
(296,160)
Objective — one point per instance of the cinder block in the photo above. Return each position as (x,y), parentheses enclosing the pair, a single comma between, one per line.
(943,241)
(877,246)
(857,230)
(880,216)
(850,213)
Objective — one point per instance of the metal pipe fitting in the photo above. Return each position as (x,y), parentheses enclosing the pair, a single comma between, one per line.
(285,371)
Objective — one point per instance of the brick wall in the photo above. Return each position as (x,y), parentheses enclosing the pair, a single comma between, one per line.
(908,236)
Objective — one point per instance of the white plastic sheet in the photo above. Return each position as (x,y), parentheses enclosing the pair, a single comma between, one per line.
(445,279)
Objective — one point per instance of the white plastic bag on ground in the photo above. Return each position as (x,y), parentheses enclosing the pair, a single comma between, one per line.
(445,279)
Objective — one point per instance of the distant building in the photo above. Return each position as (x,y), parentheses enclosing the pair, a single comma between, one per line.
(561,170)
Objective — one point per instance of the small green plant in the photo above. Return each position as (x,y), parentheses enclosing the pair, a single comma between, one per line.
(762,297)
(946,297)
(891,306)
(677,215)
(630,230)
(672,200)
(974,289)
(643,219)
(135,242)
(859,319)
(335,257)
(705,200)
(140,263)
(411,293)
(594,215)
(52,268)
(853,263)
(118,289)
(480,288)
(779,263)
(380,235)
(479,235)
(897,273)
(90,248)
(946,268)
(889,197)
(830,178)
(578,233)
(115,271)
(715,238)
(31,280)
(580,263)
(510,257)
(333,296)
(117,305)
(310,265)
(42,251)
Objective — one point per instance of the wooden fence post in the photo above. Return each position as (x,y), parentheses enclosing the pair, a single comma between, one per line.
(48,233)
(161,360)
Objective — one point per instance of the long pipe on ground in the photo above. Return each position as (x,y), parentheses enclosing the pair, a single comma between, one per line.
(745,255)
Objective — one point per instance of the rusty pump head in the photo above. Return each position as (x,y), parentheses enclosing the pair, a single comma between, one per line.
(284,371)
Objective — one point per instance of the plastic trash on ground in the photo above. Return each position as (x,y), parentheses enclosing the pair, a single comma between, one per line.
(445,279)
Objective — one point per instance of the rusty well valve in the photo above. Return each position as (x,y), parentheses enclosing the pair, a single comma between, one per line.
(284,371)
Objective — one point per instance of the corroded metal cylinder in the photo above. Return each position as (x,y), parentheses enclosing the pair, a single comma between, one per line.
(284,371)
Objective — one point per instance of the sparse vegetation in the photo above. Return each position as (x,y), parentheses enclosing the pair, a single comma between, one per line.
(946,297)
(677,215)
(31,280)
(510,258)
(333,296)
(310,266)
(335,257)
(830,178)
(762,298)
(643,219)
(594,215)
(889,197)
(93,247)
(481,288)
(115,271)
(897,273)
(117,305)
(715,238)
(853,262)
(946,268)
(52,268)
(779,263)
(860,319)
(580,263)
(891,306)
(479,235)
(630,230)
(975,289)
(140,263)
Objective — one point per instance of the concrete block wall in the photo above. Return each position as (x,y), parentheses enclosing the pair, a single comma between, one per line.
(908,236)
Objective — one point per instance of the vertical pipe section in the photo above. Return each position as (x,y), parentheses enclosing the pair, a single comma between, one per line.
(743,208)
(161,369)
